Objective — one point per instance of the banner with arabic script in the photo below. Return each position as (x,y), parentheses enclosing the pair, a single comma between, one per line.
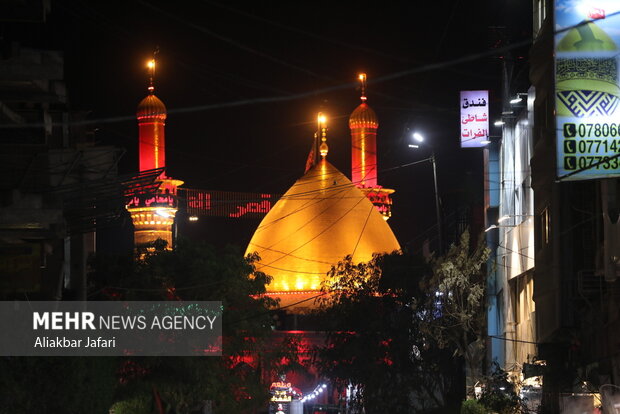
(474,119)
(587,91)
(229,204)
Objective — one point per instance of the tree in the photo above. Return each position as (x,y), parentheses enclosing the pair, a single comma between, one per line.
(49,385)
(374,343)
(395,323)
(455,305)
(498,394)
(191,272)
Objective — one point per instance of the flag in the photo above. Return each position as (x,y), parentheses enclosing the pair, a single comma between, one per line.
(310,161)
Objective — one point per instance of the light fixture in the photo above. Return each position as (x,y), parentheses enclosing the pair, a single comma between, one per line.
(414,146)
(498,123)
(193,218)
(516,100)
(163,213)
(418,137)
(485,142)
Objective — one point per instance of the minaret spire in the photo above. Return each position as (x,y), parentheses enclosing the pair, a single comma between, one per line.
(362,79)
(322,121)
(151,65)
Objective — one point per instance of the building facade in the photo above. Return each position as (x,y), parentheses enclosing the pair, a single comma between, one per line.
(553,292)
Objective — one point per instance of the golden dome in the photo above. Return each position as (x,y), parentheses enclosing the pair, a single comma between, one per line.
(151,107)
(322,218)
(363,117)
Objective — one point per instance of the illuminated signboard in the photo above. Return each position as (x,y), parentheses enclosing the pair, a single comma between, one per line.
(474,118)
(152,200)
(587,91)
(227,203)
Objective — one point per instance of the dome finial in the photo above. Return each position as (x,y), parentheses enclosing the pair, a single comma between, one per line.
(322,121)
(362,79)
(151,65)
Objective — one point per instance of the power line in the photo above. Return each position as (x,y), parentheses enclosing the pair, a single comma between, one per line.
(230,41)
(280,99)
(307,33)
(362,231)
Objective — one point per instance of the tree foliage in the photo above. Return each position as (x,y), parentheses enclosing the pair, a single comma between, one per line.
(498,394)
(399,325)
(49,385)
(455,303)
(374,342)
(191,272)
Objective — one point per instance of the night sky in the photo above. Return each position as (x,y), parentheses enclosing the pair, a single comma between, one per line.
(243,83)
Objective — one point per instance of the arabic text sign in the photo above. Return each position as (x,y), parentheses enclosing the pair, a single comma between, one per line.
(228,204)
(114,328)
(474,118)
(587,90)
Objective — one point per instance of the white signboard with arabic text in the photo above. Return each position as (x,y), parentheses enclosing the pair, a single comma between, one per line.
(474,119)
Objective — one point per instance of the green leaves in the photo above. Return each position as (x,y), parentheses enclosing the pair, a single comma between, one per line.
(196,271)
(401,315)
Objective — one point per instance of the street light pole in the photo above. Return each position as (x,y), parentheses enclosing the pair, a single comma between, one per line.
(437,209)
(419,138)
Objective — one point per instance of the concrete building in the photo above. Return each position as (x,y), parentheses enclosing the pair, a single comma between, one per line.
(56,185)
(553,292)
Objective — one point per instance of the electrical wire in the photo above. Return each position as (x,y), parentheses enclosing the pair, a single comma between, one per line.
(230,41)
(362,231)
(277,99)
(313,35)
(281,99)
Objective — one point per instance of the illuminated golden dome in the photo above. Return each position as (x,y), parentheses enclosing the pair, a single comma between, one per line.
(151,107)
(363,117)
(322,218)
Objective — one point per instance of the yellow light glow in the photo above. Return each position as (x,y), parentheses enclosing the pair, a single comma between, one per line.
(151,64)
(362,76)
(322,119)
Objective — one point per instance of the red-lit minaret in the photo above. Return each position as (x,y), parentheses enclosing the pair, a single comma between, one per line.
(364,124)
(153,214)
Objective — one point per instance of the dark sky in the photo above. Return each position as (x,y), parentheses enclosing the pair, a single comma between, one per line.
(214,53)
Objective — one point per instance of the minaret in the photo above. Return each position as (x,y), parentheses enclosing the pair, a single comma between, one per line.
(153,213)
(364,124)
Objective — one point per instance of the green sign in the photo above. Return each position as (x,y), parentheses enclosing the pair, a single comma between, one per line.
(587,89)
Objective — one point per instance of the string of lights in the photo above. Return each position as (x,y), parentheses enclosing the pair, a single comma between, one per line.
(315,393)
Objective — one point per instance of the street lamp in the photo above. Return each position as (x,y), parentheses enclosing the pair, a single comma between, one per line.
(419,138)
